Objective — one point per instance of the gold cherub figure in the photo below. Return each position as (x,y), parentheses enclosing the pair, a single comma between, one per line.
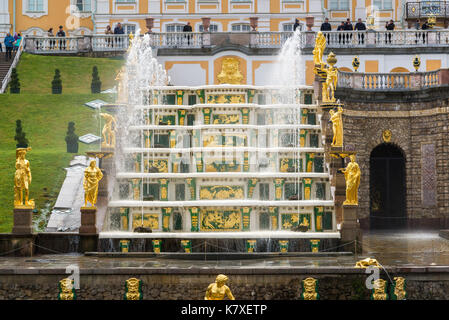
(108,131)
(92,176)
(218,289)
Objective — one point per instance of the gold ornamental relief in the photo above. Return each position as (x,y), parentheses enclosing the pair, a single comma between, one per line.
(230,72)
(386,136)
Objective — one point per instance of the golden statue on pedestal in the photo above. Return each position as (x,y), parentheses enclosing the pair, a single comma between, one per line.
(352,176)
(218,289)
(92,175)
(230,72)
(320,45)
(330,84)
(337,127)
(121,91)
(108,130)
(22,179)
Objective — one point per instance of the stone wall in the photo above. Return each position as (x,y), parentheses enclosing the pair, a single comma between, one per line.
(415,126)
(192,287)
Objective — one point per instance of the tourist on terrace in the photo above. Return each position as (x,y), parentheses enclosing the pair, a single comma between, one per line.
(108,39)
(348,27)
(326,26)
(61,34)
(341,27)
(17,42)
(296,25)
(389,26)
(360,26)
(51,35)
(417,25)
(118,30)
(425,26)
(9,40)
(187,28)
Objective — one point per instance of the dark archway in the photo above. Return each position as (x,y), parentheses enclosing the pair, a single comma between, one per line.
(387,187)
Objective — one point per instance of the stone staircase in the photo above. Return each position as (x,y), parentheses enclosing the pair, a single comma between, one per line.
(5,65)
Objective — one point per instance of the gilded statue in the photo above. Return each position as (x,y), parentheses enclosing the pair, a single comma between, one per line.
(352,176)
(399,292)
(329,86)
(22,179)
(380,287)
(92,175)
(337,127)
(320,45)
(133,289)
(230,72)
(121,92)
(108,131)
(218,289)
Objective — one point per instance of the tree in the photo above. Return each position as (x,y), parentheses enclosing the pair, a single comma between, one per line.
(22,142)
(71,138)
(96,83)
(56,84)
(14,85)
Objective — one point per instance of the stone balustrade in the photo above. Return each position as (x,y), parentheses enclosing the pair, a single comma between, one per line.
(273,40)
(393,81)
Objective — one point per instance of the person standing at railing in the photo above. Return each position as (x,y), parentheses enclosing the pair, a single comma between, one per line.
(326,26)
(17,42)
(51,36)
(389,26)
(341,27)
(360,26)
(108,32)
(187,28)
(9,40)
(425,26)
(296,25)
(348,27)
(61,34)
(118,30)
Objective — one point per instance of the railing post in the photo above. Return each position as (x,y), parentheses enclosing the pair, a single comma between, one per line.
(370,38)
(416,80)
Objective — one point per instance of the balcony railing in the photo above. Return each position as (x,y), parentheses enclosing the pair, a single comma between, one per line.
(424,9)
(273,40)
(390,81)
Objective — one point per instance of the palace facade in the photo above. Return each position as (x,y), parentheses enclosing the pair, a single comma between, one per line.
(79,17)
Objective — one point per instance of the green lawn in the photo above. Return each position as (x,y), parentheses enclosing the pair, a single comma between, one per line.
(44,119)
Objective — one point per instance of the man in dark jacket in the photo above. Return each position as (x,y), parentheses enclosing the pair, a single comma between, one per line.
(425,26)
(61,34)
(360,26)
(296,25)
(326,26)
(9,40)
(187,28)
(118,30)
(389,26)
(341,27)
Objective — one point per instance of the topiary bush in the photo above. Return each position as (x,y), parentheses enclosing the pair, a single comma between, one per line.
(71,138)
(22,142)
(96,83)
(56,84)
(14,85)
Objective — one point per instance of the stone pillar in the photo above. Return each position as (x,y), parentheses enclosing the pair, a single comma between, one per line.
(23,221)
(88,220)
(350,230)
(206,23)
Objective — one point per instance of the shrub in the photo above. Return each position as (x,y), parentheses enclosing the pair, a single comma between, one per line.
(71,138)
(56,84)
(14,85)
(96,83)
(22,142)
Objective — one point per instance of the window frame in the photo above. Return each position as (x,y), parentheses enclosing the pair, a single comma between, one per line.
(340,5)
(240,25)
(83,4)
(35,4)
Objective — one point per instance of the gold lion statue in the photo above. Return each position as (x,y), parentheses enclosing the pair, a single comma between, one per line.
(230,72)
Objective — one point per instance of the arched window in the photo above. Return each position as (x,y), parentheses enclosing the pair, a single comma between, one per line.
(398,69)
(344,69)
(212,28)
(174,27)
(241,27)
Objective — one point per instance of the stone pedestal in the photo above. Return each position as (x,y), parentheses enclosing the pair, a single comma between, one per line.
(23,220)
(350,230)
(88,220)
